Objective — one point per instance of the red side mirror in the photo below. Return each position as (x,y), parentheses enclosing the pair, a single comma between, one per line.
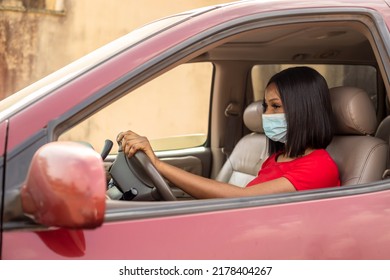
(66,186)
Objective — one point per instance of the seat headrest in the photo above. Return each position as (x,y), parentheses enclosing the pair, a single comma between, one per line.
(252,116)
(353,111)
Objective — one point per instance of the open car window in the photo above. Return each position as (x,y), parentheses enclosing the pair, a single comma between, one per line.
(172,110)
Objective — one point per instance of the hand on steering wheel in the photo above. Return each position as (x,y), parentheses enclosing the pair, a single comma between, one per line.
(137,148)
(130,142)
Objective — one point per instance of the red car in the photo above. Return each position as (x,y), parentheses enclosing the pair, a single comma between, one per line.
(192,83)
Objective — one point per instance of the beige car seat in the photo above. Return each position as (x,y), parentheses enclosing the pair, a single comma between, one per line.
(249,153)
(361,158)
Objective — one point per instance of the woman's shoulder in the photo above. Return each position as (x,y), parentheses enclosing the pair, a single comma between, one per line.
(314,170)
(319,158)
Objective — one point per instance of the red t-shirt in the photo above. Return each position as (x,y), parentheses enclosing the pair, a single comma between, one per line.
(313,171)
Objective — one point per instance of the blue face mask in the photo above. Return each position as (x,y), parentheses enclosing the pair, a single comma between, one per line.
(275,127)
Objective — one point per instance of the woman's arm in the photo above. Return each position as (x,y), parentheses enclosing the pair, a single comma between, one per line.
(198,186)
(201,187)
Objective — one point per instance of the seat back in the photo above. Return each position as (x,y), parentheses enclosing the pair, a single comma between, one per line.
(249,153)
(361,158)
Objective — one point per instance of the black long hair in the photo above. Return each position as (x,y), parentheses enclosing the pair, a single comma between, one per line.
(306,102)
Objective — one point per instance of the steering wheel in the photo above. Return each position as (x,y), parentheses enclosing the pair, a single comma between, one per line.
(137,179)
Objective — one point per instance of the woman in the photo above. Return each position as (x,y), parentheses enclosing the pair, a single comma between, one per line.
(297,120)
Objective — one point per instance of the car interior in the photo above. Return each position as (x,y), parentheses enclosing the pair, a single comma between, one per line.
(357,110)
(345,48)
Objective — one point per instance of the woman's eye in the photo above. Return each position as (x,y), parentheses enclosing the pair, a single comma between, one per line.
(272,106)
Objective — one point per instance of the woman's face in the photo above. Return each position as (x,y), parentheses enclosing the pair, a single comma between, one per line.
(273,103)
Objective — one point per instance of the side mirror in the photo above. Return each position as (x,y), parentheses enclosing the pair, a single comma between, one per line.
(65,186)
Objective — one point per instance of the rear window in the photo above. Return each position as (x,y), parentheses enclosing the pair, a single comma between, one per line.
(364,77)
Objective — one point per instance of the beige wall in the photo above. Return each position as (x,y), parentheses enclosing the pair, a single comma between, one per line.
(41,38)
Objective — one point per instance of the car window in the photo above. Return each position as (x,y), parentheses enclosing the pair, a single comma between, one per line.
(172,110)
(361,76)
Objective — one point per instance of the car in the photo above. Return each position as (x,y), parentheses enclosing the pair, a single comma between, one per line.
(190,82)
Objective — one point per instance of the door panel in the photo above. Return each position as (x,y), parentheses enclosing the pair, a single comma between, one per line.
(350,227)
(196,161)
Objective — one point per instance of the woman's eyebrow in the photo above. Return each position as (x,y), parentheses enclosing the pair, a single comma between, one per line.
(273,99)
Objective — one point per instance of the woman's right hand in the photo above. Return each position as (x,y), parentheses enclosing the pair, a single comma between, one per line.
(132,142)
